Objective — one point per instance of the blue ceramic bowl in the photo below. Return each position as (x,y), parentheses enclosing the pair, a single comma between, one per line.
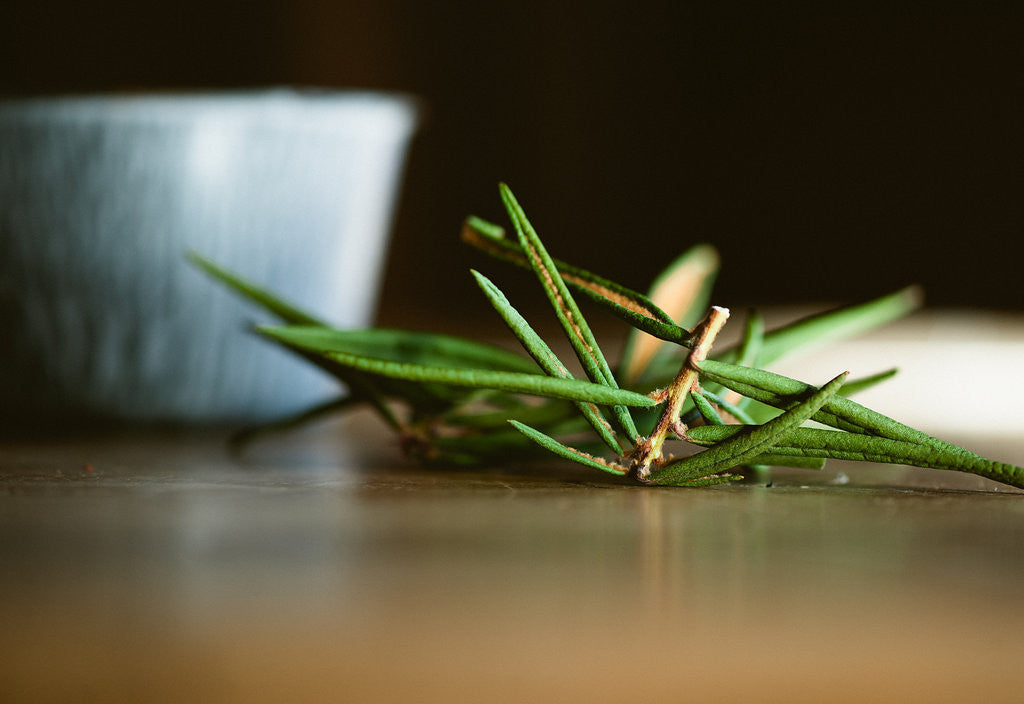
(102,196)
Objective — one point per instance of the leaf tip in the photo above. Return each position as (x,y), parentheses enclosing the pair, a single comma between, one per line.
(914,295)
(474,227)
(511,204)
(196,259)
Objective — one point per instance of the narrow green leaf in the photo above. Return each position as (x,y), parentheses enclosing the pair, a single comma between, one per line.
(566,452)
(749,348)
(486,235)
(832,326)
(753,340)
(782,392)
(706,410)
(513,382)
(737,412)
(430,349)
(863,383)
(840,445)
(638,318)
(740,448)
(568,313)
(284,310)
(543,355)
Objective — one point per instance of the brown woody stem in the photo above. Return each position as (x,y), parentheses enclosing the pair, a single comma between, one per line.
(648,451)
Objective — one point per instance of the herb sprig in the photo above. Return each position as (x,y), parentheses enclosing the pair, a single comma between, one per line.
(458,401)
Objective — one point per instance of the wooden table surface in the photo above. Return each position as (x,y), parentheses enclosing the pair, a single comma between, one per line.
(151,566)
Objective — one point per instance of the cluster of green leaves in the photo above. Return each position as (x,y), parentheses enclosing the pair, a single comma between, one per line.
(457,401)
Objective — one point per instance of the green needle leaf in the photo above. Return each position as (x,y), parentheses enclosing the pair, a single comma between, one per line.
(542,354)
(863,383)
(831,326)
(836,444)
(513,382)
(431,349)
(706,410)
(741,448)
(750,347)
(566,452)
(284,310)
(753,340)
(568,313)
(782,392)
(732,409)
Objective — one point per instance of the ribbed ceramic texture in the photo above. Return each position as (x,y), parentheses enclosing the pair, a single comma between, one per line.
(101,197)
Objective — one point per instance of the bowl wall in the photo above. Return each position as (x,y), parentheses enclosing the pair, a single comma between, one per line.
(100,199)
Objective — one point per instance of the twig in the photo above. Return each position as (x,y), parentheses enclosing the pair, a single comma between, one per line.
(648,450)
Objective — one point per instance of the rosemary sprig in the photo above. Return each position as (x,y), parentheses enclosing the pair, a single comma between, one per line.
(448,398)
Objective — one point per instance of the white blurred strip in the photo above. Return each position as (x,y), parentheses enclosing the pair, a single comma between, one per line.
(960,372)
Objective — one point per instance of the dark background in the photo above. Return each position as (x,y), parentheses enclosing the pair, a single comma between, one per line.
(831,153)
